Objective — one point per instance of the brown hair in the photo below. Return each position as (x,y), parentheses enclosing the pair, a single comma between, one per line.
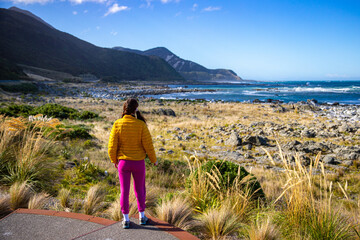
(129,108)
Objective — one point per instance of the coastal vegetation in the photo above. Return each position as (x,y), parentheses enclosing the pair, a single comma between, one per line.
(246,171)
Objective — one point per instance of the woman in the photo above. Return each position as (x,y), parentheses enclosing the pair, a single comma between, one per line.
(129,142)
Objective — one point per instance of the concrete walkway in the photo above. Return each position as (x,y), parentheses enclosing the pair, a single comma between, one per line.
(54,225)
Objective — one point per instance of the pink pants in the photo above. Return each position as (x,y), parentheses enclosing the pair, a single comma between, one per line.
(137,169)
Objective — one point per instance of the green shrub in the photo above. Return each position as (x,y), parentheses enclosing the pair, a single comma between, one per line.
(50,109)
(19,87)
(79,131)
(57,111)
(88,115)
(229,172)
(14,110)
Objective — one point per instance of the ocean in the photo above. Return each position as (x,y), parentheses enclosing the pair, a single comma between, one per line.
(343,92)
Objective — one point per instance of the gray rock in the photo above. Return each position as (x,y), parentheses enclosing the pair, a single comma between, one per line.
(248,146)
(256,140)
(348,163)
(308,133)
(247,155)
(165,112)
(69,165)
(292,145)
(353,156)
(305,160)
(329,159)
(234,140)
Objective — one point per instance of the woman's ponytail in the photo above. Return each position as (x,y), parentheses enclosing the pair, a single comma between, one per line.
(139,116)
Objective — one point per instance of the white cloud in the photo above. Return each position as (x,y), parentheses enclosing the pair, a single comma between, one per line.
(116,8)
(86,11)
(30,1)
(147,5)
(194,7)
(211,9)
(75,12)
(114,33)
(83,1)
(168,1)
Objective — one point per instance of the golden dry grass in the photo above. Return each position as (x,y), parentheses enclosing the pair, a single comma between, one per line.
(115,211)
(176,211)
(64,197)
(20,194)
(219,223)
(38,201)
(263,230)
(4,205)
(93,199)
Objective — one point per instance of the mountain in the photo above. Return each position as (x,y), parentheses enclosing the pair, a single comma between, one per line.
(188,69)
(30,15)
(26,40)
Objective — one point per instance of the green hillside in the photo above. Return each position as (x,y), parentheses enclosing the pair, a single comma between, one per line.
(25,40)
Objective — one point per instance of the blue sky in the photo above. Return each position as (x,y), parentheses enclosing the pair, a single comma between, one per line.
(258,39)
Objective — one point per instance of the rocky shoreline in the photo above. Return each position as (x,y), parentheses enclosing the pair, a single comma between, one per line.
(336,139)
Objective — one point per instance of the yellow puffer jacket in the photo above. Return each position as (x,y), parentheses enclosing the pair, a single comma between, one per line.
(130,139)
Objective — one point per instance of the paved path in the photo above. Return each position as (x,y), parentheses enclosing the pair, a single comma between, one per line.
(53,225)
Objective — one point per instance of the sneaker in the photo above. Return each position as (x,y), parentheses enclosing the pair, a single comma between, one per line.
(143,220)
(126,224)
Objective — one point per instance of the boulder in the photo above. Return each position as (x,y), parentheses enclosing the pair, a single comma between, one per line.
(305,160)
(308,133)
(329,159)
(256,140)
(234,140)
(165,112)
(348,163)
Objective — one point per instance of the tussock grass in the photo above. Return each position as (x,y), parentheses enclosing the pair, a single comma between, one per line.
(93,199)
(20,194)
(38,201)
(4,205)
(307,198)
(64,197)
(200,189)
(23,148)
(176,211)
(115,211)
(219,223)
(262,229)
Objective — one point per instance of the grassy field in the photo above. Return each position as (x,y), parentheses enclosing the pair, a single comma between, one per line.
(62,164)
